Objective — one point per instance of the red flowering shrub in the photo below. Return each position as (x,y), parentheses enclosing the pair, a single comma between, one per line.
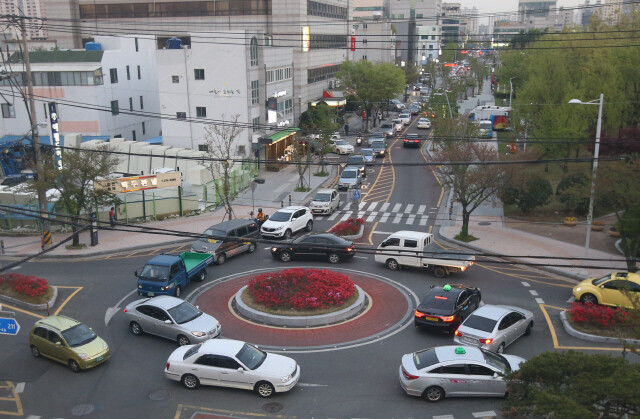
(301,289)
(348,227)
(601,316)
(28,285)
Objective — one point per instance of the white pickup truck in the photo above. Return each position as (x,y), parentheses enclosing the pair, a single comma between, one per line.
(416,249)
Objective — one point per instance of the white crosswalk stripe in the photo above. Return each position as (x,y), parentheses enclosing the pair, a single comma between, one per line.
(397,218)
(421,209)
(423,220)
(397,207)
(394,213)
(408,208)
(410,219)
(371,217)
(372,206)
(385,217)
(384,206)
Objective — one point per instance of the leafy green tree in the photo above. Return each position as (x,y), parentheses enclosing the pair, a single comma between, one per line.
(573,385)
(318,124)
(527,191)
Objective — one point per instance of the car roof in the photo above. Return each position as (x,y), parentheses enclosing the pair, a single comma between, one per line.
(163,301)
(325,235)
(291,209)
(163,260)
(448,353)
(493,312)
(225,225)
(325,191)
(354,155)
(58,322)
(408,234)
(228,347)
(412,136)
(350,169)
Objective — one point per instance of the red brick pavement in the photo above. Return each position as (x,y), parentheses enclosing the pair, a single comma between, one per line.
(388,307)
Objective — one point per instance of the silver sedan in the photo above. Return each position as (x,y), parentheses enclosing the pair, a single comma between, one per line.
(171,318)
(494,327)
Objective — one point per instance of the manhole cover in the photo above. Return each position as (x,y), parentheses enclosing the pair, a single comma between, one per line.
(272,407)
(484,223)
(158,395)
(82,409)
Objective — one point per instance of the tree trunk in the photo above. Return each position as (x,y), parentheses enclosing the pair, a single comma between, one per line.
(465,221)
(74,229)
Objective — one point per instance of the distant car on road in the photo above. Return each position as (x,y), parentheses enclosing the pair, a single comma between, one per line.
(324,246)
(350,178)
(411,140)
(415,108)
(387,128)
(287,221)
(357,161)
(376,136)
(398,125)
(424,123)
(342,147)
(609,290)
(396,105)
(325,202)
(369,156)
(379,147)
(405,117)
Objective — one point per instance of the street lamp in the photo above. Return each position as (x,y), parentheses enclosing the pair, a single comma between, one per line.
(511,89)
(596,151)
(448,104)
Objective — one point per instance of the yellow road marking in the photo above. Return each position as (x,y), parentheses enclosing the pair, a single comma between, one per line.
(371,232)
(64,303)
(23,311)
(15,398)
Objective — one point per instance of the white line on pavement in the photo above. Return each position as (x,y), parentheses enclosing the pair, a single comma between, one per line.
(539,301)
(526,284)
(421,209)
(411,218)
(396,207)
(385,217)
(384,206)
(373,206)
(381,232)
(346,217)
(423,220)
(409,208)
(361,205)
(333,216)
(487,414)
(534,293)
(571,300)
(371,217)
(111,311)
(311,385)
(19,388)
(397,218)
(443,417)
(361,257)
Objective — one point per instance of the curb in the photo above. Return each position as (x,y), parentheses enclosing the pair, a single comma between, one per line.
(43,306)
(593,338)
(355,236)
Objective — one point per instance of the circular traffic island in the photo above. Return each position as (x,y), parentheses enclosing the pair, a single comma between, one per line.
(300,298)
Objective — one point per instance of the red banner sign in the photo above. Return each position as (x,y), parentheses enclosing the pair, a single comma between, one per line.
(353,43)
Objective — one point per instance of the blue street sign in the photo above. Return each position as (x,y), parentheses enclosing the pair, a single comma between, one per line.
(9,326)
(356,195)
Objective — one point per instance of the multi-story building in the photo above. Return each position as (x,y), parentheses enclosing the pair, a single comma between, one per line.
(429,42)
(31,8)
(373,40)
(369,9)
(537,14)
(469,20)
(450,22)
(111,90)
(407,15)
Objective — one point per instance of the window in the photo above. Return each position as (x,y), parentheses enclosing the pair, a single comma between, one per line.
(364,26)
(136,40)
(315,8)
(175,79)
(321,73)
(40,332)
(255,92)
(255,124)
(288,106)
(139,73)
(252,228)
(253,51)
(113,73)
(268,40)
(128,73)
(8,110)
(141,103)
(115,109)
(130,103)
(133,135)
(391,242)
(201,112)
(476,369)
(411,243)
(451,369)
(364,41)
(364,57)
(144,128)
(199,73)
(181,115)
(203,147)
(55,338)
(241,231)
(175,9)
(321,41)
(278,74)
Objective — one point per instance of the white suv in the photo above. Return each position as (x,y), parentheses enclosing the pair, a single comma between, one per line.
(286,222)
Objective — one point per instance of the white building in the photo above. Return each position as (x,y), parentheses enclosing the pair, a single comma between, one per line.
(429,42)
(373,40)
(407,16)
(31,8)
(112,91)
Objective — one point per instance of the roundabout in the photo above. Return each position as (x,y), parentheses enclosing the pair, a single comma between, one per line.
(384,306)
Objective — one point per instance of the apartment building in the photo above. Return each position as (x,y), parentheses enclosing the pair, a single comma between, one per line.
(407,16)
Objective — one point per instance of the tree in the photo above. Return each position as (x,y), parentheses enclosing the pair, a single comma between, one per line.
(527,192)
(220,140)
(318,124)
(573,385)
(74,183)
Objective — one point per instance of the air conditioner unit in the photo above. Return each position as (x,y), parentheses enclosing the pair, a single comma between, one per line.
(331,84)
(241,150)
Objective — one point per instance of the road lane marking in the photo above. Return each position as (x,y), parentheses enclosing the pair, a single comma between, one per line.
(371,217)
(423,220)
(22,311)
(408,208)
(539,301)
(385,217)
(396,207)
(311,385)
(64,303)
(397,218)
(571,300)
(384,206)
(421,209)
(534,293)
(20,388)
(111,311)
(373,205)
(410,219)
(381,232)
(333,216)
(444,417)
(345,217)
(525,283)
(487,414)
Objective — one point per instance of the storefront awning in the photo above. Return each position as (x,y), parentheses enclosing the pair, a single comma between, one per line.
(331,102)
(274,138)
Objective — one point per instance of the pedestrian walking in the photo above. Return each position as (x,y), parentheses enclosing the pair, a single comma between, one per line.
(364,115)
(346,129)
(112,217)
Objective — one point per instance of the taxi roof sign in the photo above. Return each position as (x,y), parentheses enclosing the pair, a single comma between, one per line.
(447,287)
(460,350)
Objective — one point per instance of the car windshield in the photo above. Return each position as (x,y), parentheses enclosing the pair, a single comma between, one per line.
(355,160)
(191,351)
(212,232)
(496,361)
(439,301)
(341,142)
(423,121)
(404,115)
(412,136)
(377,144)
(387,125)
(78,335)
(601,280)
(322,197)
(367,152)
(349,174)
(251,356)
(480,323)
(281,216)
(155,273)
(184,313)
(426,358)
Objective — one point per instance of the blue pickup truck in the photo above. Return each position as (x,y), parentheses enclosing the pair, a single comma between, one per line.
(169,274)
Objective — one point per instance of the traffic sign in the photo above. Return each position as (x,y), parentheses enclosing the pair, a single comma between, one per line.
(9,326)
(356,195)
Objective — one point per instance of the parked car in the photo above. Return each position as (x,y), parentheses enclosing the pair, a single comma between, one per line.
(494,327)
(405,117)
(369,156)
(379,147)
(424,123)
(350,178)
(171,318)
(445,307)
(398,125)
(69,342)
(456,371)
(342,147)
(387,128)
(411,140)
(608,290)
(325,201)
(287,221)
(376,136)
(232,363)
(324,246)
(357,161)
(228,238)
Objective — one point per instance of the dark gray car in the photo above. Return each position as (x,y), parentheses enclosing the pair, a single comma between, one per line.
(228,239)
(357,161)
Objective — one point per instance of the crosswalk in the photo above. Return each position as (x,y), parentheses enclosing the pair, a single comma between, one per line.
(385,212)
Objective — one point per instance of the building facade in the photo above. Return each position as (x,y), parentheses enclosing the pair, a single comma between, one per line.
(373,40)
(407,15)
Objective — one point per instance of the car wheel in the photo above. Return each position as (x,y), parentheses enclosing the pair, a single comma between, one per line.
(136,329)
(527,332)
(439,272)
(393,264)
(183,340)
(264,389)
(74,366)
(285,256)
(202,275)
(252,247)
(287,235)
(221,258)
(500,349)
(190,381)
(334,258)
(589,299)
(433,394)
(178,291)
(35,351)
(309,225)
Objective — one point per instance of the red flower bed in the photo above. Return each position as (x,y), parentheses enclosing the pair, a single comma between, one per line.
(301,289)
(28,285)
(348,227)
(601,316)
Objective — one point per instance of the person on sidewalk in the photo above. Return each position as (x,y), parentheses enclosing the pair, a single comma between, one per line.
(112,217)
(364,115)
(346,129)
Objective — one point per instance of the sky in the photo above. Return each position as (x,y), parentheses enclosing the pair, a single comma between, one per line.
(502,6)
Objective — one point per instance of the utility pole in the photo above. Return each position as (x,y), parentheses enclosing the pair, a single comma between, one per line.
(42,196)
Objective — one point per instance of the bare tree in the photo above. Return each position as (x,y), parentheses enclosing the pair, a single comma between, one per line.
(302,159)
(220,140)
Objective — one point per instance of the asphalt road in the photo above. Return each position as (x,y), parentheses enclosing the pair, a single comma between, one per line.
(356,381)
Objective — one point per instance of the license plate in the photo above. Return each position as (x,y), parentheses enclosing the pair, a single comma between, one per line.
(100,358)
(431,319)
(468,340)
(150,294)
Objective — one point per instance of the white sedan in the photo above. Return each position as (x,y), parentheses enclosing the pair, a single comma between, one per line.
(232,363)
(398,125)
(424,123)
(342,147)
(405,117)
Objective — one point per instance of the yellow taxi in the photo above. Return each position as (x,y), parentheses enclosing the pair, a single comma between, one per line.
(616,289)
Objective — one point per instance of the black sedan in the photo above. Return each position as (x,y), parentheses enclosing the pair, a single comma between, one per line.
(445,307)
(315,246)
(411,140)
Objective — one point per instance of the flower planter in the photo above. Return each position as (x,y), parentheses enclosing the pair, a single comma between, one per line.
(597,226)
(355,236)
(570,223)
(614,233)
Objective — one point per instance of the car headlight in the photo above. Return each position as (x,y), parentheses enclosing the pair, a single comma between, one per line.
(274,249)
(104,345)
(286,378)
(139,286)
(199,334)
(578,289)
(83,356)
(278,228)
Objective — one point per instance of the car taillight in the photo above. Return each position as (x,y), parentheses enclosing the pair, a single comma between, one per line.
(350,249)
(125,310)
(457,333)
(168,365)
(419,314)
(485,341)
(407,375)
(447,318)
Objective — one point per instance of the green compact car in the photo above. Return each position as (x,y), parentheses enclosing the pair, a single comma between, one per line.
(69,342)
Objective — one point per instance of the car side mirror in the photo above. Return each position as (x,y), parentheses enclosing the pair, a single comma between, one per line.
(240,369)
(58,343)
(496,375)
(168,322)
(136,273)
